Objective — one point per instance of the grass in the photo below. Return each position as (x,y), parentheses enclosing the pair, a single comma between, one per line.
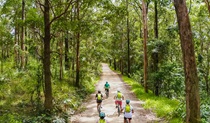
(163,107)
(18,92)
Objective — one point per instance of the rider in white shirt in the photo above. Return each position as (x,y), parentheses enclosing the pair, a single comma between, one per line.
(128,111)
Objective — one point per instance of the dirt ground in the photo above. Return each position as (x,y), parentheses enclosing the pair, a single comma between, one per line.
(90,115)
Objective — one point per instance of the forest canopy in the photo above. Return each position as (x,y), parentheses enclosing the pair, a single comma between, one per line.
(53,49)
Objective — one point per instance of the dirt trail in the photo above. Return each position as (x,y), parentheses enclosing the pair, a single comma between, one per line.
(90,115)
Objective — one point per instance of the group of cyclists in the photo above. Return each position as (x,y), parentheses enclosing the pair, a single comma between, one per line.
(127,108)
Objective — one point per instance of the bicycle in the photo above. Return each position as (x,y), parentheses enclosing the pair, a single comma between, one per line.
(127,120)
(107,93)
(99,108)
(118,109)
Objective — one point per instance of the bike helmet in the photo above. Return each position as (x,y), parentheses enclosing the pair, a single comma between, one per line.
(102,115)
(99,91)
(106,82)
(127,101)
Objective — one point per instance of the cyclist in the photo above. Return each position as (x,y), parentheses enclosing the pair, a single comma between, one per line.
(128,111)
(99,98)
(118,98)
(106,87)
(102,118)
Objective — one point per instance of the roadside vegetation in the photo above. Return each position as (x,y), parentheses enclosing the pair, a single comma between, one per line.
(51,53)
(22,97)
(171,109)
(163,107)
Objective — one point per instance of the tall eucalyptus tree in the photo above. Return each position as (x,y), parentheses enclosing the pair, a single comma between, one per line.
(11,9)
(78,43)
(23,37)
(191,77)
(155,53)
(128,37)
(46,8)
(208,57)
(145,30)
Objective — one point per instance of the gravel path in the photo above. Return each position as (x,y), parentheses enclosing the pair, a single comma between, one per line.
(90,115)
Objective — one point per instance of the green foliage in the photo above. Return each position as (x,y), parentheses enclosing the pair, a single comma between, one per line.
(22,92)
(180,111)
(171,80)
(162,106)
(205,108)
(138,76)
(171,86)
(10,118)
(160,47)
(103,37)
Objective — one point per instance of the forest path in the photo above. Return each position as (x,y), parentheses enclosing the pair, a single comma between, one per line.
(90,115)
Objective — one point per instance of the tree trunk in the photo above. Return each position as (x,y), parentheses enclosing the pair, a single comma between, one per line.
(144,13)
(208,6)
(78,46)
(128,39)
(23,37)
(46,61)
(67,66)
(16,59)
(156,21)
(61,58)
(207,72)
(155,54)
(155,70)
(191,77)
(2,60)
(115,64)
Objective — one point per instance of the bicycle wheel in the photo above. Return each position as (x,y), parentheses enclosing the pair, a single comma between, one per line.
(118,109)
(99,108)
(107,94)
(127,120)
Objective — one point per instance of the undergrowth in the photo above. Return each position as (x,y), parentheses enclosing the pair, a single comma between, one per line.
(163,107)
(22,97)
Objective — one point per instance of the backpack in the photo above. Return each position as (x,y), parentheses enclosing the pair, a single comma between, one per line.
(99,96)
(106,86)
(119,95)
(102,121)
(127,108)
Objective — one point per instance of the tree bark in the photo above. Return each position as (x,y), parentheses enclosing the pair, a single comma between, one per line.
(207,71)
(155,54)
(156,20)
(208,6)
(78,46)
(46,61)
(115,64)
(155,69)
(144,13)
(67,66)
(23,36)
(191,77)
(61,58)
(16,50)
(128,39)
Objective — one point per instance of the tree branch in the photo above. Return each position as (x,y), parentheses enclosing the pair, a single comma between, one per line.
(66,9)
(40,5)
(208,6)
